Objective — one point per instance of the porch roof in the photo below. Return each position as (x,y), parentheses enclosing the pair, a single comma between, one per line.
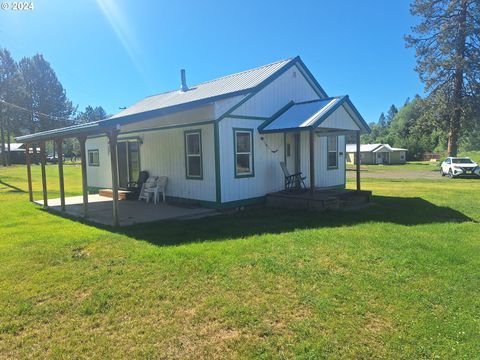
(310,115)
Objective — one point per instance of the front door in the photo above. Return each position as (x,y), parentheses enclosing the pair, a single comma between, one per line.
(292,152)
(128,159)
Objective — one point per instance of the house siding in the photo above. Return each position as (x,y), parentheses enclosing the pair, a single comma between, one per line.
(162,153)
(285,88)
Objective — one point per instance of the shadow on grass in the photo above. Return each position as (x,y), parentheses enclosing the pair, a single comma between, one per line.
(403,211)
(11,187)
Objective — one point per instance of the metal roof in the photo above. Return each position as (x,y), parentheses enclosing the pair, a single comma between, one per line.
(308,115)
(14,147)
(372,148)
(300,115)
(244,82)
(230,84)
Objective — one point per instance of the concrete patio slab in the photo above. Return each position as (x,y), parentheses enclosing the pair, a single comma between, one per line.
(130,212)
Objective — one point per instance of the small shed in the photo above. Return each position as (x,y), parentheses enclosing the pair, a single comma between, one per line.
(17,153)
(373,154)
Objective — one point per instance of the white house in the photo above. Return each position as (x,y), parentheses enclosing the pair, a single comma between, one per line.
(377,154)
(220,142)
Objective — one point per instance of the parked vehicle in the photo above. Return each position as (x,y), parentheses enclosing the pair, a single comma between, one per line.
(459,166)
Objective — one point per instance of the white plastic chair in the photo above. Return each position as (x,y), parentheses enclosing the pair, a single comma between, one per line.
(147,188)
(160,187)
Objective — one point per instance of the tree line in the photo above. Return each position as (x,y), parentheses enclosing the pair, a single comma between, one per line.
(32,99)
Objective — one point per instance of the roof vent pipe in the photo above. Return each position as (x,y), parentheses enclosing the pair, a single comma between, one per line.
(184,86)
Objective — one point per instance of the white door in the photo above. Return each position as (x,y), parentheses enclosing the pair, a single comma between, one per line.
(292,152)
(379,158)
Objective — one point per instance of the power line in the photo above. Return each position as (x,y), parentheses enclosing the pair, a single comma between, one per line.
(37,113)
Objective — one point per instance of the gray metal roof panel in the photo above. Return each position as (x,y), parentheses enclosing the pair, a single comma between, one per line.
(301,115)
(230,84)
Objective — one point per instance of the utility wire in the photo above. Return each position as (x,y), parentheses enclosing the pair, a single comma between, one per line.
(37,113)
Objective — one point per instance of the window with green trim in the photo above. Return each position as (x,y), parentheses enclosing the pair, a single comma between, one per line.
(243,152)
(332,151)
(193,154)
(93,158)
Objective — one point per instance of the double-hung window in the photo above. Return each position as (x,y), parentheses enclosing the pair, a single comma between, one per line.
(93,158)
(193,154)
(332,150)
(243,146)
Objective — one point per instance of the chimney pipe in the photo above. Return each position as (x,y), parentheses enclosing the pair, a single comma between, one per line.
(184,86)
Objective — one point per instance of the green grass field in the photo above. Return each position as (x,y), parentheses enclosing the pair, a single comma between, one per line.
(400,279)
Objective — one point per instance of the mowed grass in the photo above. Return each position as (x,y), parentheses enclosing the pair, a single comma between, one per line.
(400,279)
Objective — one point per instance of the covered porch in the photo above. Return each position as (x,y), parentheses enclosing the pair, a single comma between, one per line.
(129,212)
(318,131)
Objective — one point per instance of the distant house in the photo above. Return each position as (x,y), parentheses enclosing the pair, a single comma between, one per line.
(371,154)
(17,153)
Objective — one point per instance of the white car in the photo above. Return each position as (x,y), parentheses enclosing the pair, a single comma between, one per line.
(459,166)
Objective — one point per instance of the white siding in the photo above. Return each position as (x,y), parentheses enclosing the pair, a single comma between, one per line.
(268,174)
(99,176)
(340,119)
(222,106)
(325,177)
(162,153)
(289,86)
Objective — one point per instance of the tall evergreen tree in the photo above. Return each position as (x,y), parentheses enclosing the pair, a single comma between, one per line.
(391,113)
(9,89)
(382,121)
(45,96)
(91,114)
(447,44)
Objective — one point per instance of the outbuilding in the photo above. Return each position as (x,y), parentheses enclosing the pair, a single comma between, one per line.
(372,154)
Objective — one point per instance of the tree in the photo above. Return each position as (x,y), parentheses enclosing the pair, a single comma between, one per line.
(391,113)
(382,121)
(91,114)
(447,45)
(9,89)
(45,96)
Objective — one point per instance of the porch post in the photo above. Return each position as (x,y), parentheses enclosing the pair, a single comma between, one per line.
(59,143)
(43,160)
(357,157)
(112,140)
(82,139)
(29,171)
(312,162)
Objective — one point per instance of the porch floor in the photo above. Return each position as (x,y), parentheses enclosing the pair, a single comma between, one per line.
(322,199)
(130,212)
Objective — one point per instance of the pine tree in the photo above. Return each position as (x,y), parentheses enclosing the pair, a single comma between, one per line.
(382,121)
(447,44)
(391,114)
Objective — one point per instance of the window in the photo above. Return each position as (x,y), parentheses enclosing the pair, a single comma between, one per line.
(332,149)
(93,158)
(243,147)
(402,156)
(193,154)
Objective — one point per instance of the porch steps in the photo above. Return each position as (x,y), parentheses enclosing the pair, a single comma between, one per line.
(122,194)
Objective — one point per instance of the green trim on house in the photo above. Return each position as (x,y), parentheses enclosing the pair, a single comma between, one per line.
(88,157)
(247,117)
(333,187)
(185,133)
(216,149)
(285,148)
(94,189)
(203,203)
(252,174)
(328,151)
(167,127)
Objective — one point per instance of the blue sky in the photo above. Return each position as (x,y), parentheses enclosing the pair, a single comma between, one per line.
(114,53)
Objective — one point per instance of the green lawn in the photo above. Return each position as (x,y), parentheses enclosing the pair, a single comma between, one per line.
(400,279)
